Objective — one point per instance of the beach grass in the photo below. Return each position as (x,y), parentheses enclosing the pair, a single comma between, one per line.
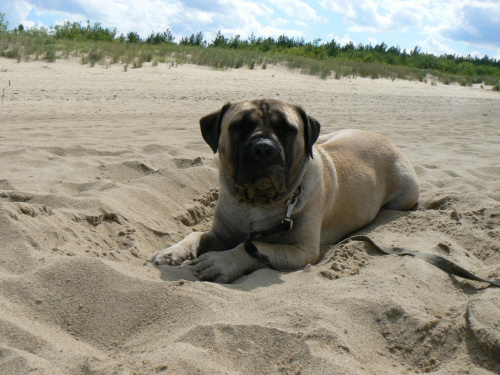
(26,47)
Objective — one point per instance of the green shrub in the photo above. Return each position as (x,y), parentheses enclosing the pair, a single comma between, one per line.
(13,53)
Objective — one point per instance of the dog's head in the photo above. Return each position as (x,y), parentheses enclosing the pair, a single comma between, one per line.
(263,146)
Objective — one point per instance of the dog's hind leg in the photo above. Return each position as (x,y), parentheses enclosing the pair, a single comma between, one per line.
(406,191)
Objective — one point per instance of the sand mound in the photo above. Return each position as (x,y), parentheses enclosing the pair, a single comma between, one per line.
(102,168)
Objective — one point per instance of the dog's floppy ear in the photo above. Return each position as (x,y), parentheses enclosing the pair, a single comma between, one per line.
(210,127)
(311,130)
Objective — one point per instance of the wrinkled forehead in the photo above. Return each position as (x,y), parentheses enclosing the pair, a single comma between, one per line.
(262,112)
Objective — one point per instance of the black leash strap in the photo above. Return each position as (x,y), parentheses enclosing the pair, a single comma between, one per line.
(286,225)
(252,250)
(436,260)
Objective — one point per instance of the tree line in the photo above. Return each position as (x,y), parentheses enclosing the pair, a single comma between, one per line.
(380,53)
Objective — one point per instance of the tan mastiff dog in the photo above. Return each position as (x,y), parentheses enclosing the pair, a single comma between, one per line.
(269,153)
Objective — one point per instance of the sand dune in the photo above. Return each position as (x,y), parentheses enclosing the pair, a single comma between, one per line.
(100,168)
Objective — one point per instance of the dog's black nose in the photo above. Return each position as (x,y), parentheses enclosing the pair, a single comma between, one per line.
(263,149)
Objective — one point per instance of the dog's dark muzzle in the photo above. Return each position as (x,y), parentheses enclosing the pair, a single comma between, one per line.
(264,151)
(261,172)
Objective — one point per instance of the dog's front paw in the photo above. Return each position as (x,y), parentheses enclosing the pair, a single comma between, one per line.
(173,256)
(216,266)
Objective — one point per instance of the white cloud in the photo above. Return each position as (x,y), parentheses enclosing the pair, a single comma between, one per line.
(476,54)
(28,24)
(243,7)
(240,17)
(476,22)
(346,39)
(298,10)
(16,11)
(136,15)
(344,8)
(279,22)
(379,15)
(435,46)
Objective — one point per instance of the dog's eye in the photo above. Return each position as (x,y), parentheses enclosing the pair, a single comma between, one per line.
(284,128)
(241,127)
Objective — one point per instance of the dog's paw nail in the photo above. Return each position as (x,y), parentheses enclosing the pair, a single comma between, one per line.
(156,261)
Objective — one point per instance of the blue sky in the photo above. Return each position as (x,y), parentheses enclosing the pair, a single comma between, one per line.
(438,26)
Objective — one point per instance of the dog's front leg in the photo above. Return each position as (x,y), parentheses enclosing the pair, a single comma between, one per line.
(227,266)
(180,252)
(190,247)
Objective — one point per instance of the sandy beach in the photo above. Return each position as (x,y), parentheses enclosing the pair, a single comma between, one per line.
(100,168)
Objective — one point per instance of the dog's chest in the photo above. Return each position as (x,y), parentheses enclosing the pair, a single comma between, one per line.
(250,219)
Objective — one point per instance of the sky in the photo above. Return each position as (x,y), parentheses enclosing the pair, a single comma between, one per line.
(460,27)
